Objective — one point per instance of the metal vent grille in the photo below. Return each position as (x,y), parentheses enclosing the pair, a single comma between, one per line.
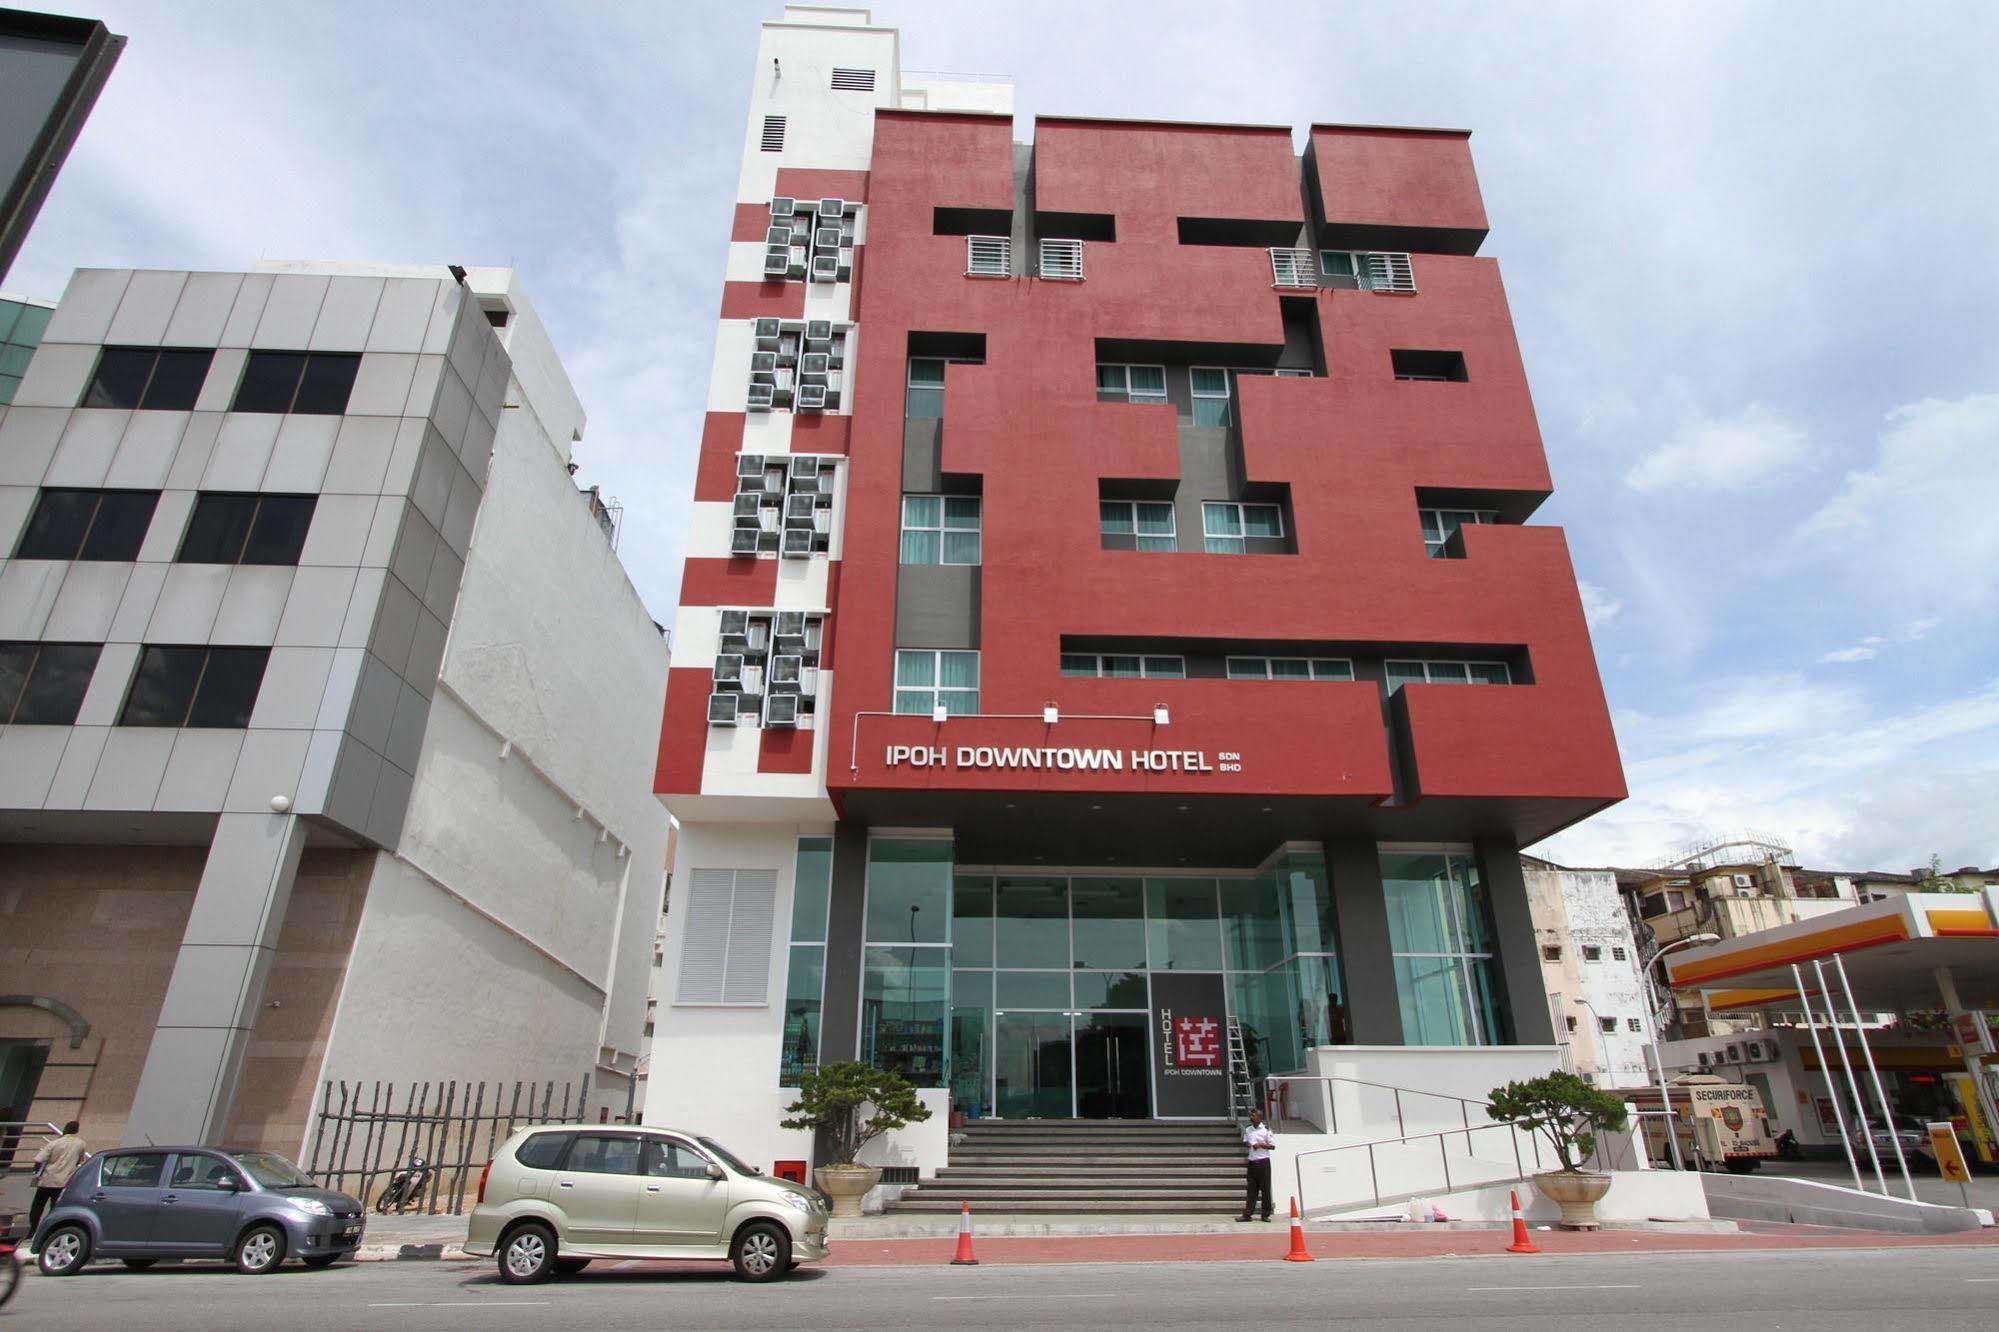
(853,80)
(773,140)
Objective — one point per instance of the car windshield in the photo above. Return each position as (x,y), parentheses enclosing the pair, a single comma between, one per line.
(728,1157)
(271,1170)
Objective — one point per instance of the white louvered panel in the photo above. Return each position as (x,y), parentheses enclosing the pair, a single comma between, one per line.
(1293,268)
(1390,271)
(853,80)
(773,136)
(704,949)
(747,980)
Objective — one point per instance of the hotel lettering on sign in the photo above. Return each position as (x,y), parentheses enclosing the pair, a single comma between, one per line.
(1060,758)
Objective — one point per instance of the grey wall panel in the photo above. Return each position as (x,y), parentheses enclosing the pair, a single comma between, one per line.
(294,684)
(476,453)
(423,386)
(29,756)
(299,457)
(268,766)
(108,686)
(355,775)
(382,384)
(203,310)
(28,591)
(248,311)
(343,677)
(1206,473)
(446,298)
(83,458)
(88,600)
(440,593)
(79,763)
(16,503)
(339,531)
(1516,948)
(242,451)
(197,444)
(28,439)
(937,606)
(169,525)
(402,315)
(436,469)
(406,731)
(388,525)
(346,314)
(199,769)
(145,309)
(360,456)
(252,605)
(461,512)
(316,607)
(454,409)
(840,1012)
(922,447)
(375,704)
(359,626)
(395,624)
(146,451)
(416,548)
(403,457)
(290,311)
(130,768)
(142,594)
(315,778)
(390,805)
(426,653)
(189,600)
(88,304)
(1367,962)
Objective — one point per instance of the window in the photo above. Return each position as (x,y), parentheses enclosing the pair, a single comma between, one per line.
(1225,528)
(140,1170)
(1617,954)
(725,954)
(853,80)
(247,529)
(604,1154)
(1440,937)
(1633,1024)
(1607,1025)
(1438,366)
(1592,953)
(1447,672)
(805,980)
(21,328)
(773,134)
(1149,523)
(1571,1023)
(1439,524)
(926,388)
(194,686)
(308,383)
(203,1172)
(940,529)
(1209,388)
(152,378)
(1290,668)
(1339,263)
(1085,665)
(906,978)
(926,680)
(88,525)
(1131,383)
(667,1159)
(42,684)
(542,1151)
(1551,953)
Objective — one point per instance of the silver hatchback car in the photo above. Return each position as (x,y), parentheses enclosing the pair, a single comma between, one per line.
(559,1195)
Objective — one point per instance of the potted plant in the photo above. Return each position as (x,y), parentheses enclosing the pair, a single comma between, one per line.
(832,1098)
(1569,1113)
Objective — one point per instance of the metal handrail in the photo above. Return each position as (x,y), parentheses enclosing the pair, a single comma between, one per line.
(1332,1107)
(11,1133)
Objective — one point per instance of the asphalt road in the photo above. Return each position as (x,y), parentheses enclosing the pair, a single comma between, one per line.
(1928,1288)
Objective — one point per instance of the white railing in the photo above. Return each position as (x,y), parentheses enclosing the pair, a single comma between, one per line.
(1293,268)
(988,256)
(1062,260)
(1389,271)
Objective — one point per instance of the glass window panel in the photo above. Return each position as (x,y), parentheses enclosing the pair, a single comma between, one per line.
(961,547)
(1111,989)
(119,528)
(1115,517)
(916,702)
(1404,672)
(57,528)
(1262,520)
(218,529)
(1305,895)
(1490,672)
(55,690)
(1266,1006)
(1031,989)
(1148,381)
(31,325)
(909,890)
(927,371)
(905,1001)
(1290,668)
(959,702)
(163,686)
(1157,543)
(915,668)
(121,377)
(972,921)
(270,381)
(177,377)
(1031,922)
(328,379)
(1166,668)
(1433,525)
(1322,1009)
(1109,923)
(920,547)
(1332,668)
(1079,665)
(1211,411)
(1224,546)
(228,689)
(1221,520)
(9,386)
(1472,907)
(1421,913)
(925,404)
(1447,672)
(1435,1007)
(921,510)
(1206,381)
(1248,668)
(812,884)
(278,534)
(1185,925)
(1121,668)
(971,1039)
(958,670)
(1252,924)
(961,512)
(1336,263)
(16,660)
(1155,519)
(804,985)
(1110,379)
(14,360)
(9,312)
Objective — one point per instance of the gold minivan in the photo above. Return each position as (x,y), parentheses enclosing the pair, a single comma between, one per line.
(559,1195)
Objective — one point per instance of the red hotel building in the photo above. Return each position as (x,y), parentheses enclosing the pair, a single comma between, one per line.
(1111,599)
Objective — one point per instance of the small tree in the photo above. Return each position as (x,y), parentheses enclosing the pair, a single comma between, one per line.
(1563,1108)
(831,1097)
(1934,880)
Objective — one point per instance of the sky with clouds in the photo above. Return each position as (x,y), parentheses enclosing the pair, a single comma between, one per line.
(1750,249)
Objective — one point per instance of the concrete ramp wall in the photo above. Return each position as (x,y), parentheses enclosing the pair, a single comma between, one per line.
(1777,1198)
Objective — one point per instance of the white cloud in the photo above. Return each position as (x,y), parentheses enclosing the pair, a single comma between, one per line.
(1760,707)
(1867,649)
(1599,606)
(1721,454)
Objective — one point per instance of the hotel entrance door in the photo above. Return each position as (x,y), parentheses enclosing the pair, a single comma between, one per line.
(1071,1065)
(1112,1077)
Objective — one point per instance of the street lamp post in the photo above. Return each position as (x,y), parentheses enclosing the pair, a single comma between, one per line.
(1658,1063)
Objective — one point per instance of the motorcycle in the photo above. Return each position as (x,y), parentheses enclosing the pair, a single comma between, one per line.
(404,1187)
(1787,1146)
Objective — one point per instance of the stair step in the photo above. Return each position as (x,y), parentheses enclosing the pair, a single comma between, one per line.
(1066,1207)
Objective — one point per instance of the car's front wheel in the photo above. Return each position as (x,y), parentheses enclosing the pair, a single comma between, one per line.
(260,1250)
(64,1251)
(762,1251)
(527,1255)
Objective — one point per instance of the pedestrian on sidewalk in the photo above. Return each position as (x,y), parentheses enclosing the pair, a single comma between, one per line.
(1257,1140)
(54,1164)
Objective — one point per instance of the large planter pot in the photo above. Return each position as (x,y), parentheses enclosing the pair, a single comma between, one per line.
(846,1185)
(1576,1192)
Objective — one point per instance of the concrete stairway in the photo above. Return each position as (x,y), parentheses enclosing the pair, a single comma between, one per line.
(1056,1166)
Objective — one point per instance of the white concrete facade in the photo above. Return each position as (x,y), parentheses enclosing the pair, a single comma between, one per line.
(1589,953)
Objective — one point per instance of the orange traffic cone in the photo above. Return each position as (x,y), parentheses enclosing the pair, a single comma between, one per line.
(1298,1253)
(1521,1244)
(964,1258)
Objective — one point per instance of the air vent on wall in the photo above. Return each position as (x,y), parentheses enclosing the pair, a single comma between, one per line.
(773,137)
(853,80)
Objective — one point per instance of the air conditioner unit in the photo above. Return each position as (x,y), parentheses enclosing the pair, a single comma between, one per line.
(811,397)
(749,464)
(822,521)
(774,480)
(721,709)
(767,333)
(818,330)
(743,541)
(767,518)
(1745,880)
(759,636)
(826,238)
(815,630)
(804,465)
(790,626)
(781,710)
(1733,1053)
(829,476)
(826,268)
(753,679)
(814,366)
(832,208)
(777,263)
(782,207)
(735,625)
(784,672)
(1702,1058)
(797,543)
(761,396)
(763,367)
(787,348)
(729,669)
(808,681)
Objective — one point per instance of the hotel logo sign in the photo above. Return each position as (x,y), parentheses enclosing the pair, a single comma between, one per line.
(1060,758)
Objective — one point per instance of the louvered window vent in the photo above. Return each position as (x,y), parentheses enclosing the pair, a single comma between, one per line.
(773,140)
(853,80)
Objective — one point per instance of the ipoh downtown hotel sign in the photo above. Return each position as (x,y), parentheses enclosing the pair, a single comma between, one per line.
(1060,758)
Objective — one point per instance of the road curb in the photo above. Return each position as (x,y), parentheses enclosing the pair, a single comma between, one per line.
(403,1253)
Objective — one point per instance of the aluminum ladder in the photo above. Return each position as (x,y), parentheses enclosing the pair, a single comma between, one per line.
(1242,1097)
